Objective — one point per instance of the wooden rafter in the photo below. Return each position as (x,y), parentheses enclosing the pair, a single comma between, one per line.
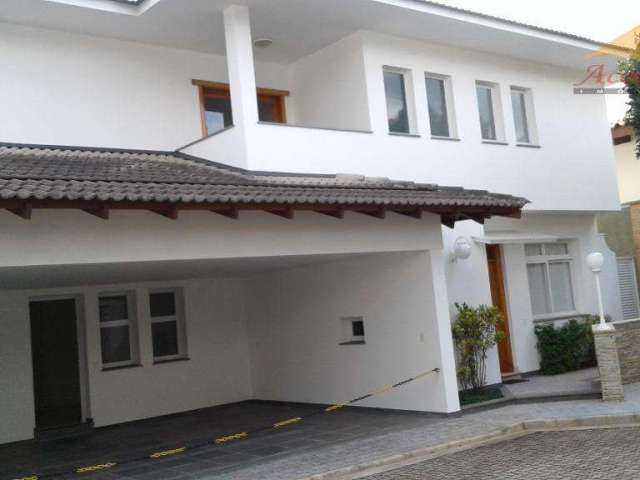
(336,213)
(101,211)
(23,210)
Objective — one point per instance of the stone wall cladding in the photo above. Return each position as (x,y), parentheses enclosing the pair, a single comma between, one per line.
(628,341)
(608,364)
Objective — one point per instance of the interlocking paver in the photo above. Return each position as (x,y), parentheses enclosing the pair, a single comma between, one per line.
(579,455)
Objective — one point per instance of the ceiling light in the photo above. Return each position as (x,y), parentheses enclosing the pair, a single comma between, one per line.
(263,42)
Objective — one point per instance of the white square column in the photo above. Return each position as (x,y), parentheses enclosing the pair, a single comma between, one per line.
(241,70)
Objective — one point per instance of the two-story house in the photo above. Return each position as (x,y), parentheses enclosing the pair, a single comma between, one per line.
(155,259)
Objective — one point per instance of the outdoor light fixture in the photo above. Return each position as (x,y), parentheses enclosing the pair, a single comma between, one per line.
(263,42)
(595,261)
(461,249)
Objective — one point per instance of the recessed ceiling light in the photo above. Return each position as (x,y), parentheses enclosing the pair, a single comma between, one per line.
(263,42)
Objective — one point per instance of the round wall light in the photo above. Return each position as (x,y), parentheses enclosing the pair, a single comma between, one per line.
(461,249)
(263,42)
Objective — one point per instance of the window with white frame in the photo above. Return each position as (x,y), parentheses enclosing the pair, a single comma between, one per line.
(397,93)
(523,115)
(118,339)
(167,324)
(550,282)
(490,111)
(440,103)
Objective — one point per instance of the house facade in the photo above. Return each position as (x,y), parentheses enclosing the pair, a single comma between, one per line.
(147,234)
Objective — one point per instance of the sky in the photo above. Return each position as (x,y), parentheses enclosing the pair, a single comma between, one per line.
(602,21)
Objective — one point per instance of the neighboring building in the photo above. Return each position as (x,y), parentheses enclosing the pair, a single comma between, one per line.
(152,262)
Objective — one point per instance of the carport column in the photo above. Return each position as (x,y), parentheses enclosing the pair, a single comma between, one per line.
(241,70)
(608,362)
(443,330)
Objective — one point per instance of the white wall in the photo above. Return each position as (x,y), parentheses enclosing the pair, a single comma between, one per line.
(295,331)
(468,281)
(67,89)
(328,88)
(216,373)
(581,232)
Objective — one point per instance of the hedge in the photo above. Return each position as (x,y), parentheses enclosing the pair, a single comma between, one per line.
(567,348)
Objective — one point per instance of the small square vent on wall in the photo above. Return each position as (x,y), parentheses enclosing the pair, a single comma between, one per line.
(353,331)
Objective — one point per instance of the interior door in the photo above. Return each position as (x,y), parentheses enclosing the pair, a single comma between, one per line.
(498,297)
(56,369)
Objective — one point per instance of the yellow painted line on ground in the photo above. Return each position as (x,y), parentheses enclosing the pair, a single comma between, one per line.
(284,423)
(231,438)
(33,477)
(95,468)
(166,453)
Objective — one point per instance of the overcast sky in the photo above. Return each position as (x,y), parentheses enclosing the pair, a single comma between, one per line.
(602,21)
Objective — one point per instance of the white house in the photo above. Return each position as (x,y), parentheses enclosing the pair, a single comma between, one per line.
(152,262)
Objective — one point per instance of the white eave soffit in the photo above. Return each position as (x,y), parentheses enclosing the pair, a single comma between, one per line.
(496,238)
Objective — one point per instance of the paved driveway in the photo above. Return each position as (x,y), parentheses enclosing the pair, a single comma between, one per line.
(581,455)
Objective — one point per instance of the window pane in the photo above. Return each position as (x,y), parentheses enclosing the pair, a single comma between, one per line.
(485,108)
(217,112)
(437,107)
(165,339)
(537,274)
(533,250)
(357,327)
(113,308)
(518,101)
(561,290)
(397,114)
(162,304)
(115,344)
(556,249)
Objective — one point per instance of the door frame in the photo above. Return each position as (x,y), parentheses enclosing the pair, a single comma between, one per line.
(81,332)
(508,330)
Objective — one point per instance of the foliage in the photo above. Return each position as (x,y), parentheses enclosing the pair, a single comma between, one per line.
(630,74)
(567,348)
(474,334)
(486,394)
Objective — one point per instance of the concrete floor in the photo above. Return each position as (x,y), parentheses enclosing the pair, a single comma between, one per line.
(581,381)
(571,455)
(122,444)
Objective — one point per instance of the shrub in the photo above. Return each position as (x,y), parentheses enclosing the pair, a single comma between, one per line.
(567,348)
(474,333)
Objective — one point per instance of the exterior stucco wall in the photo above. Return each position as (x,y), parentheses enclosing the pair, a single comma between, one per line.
(295,331)
(217,372)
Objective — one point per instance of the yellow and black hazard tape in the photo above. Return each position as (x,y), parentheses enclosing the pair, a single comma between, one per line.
(228,438)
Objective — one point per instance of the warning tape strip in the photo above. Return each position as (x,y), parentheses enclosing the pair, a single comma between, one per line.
(229,438)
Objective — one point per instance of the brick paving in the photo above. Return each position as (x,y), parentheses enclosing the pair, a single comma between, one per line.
(579,455)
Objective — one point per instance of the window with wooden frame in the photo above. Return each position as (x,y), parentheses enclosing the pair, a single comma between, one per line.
(215,105)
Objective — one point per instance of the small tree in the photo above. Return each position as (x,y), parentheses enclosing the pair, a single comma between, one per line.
(475,333)
(630,73)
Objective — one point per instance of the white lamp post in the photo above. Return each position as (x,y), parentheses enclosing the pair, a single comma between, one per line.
(594,262)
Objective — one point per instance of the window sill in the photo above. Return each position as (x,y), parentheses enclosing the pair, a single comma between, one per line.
(451,139)
(311,127)
(494,142)
(410,135)
(559,317)
(354,342)
(528,145)
(121,367)
(171,360)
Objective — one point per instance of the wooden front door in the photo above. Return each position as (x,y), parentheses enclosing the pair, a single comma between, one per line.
(56,372)
(499,299)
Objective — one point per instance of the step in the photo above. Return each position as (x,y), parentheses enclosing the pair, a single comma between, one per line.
(60,433)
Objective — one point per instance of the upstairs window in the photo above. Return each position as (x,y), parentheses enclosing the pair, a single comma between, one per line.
(215,106)
(490,111)
(398,113)
(550,279)
(440,103)
(167,325)
(523,116)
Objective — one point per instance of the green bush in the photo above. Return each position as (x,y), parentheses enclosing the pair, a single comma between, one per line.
(567,348)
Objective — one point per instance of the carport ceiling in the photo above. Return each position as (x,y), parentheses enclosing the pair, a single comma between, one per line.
(50,276)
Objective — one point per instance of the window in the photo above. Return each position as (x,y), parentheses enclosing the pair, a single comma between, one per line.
(167,325)
(117,335)
(215,105)
(523,117)
(490,111)
(352,330)
(439,100)
(398,115)
(550,284)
